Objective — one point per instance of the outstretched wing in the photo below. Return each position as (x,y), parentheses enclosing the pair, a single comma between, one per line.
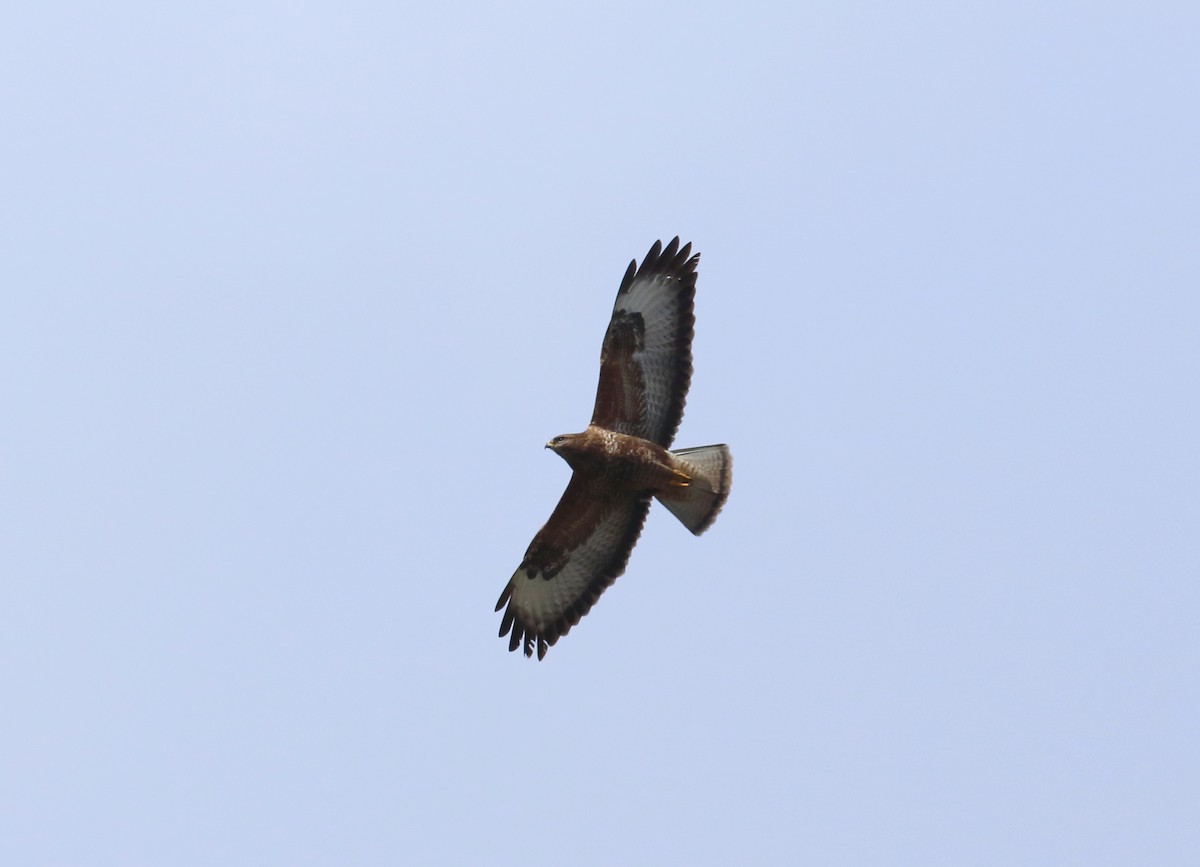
(572,560)
(646,360)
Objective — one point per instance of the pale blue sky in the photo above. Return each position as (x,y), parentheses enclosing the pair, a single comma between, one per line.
(293,294)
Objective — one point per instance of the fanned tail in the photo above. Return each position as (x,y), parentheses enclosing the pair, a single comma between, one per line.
(696,504)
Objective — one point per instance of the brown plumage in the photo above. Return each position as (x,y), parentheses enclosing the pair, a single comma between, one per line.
(621,461)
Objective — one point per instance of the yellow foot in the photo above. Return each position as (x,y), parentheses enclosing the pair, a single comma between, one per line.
(681,480)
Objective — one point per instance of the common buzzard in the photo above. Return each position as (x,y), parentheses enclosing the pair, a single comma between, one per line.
(622,460)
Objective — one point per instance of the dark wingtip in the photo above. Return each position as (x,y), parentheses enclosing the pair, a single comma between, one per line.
(507,621)
(672,259)
(630,273)
(504,597)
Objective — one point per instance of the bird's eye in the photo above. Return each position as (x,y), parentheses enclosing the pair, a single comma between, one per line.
(559,440)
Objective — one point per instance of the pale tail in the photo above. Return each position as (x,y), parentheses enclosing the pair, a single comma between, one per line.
(697,504)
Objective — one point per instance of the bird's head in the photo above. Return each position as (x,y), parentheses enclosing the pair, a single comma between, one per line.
(566,446)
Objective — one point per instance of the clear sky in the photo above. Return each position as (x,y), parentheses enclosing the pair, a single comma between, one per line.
(294,293)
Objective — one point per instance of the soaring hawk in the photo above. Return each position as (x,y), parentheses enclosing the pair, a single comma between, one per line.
(622,460)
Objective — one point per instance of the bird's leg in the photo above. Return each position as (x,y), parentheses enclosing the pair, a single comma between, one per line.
(680,480)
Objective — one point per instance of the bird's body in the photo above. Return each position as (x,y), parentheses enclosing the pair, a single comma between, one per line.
(631,464)
(622,460)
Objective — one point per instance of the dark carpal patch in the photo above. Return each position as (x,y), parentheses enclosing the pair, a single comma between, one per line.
(623,387)
(626,335)
(544,559)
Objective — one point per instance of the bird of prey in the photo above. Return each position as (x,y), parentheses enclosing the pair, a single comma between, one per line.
(622,460)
